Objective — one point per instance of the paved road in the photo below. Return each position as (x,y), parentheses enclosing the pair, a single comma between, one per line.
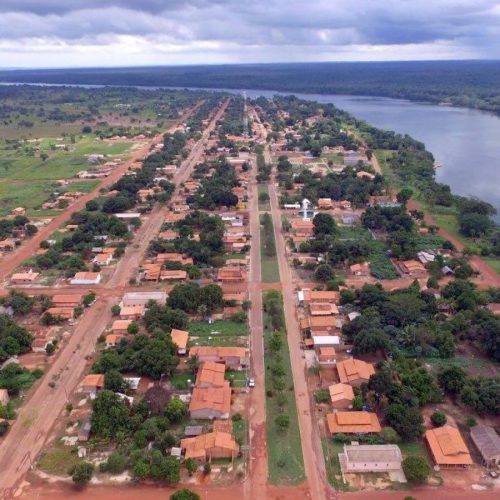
(29,247)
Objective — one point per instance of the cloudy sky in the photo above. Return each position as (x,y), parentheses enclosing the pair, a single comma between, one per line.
(67,33)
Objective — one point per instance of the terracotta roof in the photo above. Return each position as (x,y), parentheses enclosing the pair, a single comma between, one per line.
(25,276)
(86,276)
(323,309)
(121,324)
(211,374)
(63,312)
(67,299)
(173,274)
(211,398)
(132,310)
(321,295)
(94,380)
(198,446)
(179,338)
(354,369)
(113,338)
(352,422)
(447,446)
(339,392)
(221,352)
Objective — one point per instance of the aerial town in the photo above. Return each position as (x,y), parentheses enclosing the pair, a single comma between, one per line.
(249,298)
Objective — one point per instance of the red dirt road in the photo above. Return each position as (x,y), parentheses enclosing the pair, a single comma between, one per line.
(28,248)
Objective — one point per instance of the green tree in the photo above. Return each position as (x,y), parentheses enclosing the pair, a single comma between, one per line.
(184,494)
(324,273)
(282,422)
(175,410)
(452,379)
(438,419)
(110,415)
(114,381)
(115,310)
(81,473)
(406,421)
(416,469)
(324,225)
(191,466)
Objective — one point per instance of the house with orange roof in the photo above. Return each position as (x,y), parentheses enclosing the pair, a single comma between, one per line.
(354,371)
(232,357)
(180,339)
(319,296)
(112,340)
(61,312)
(211,374)
(67,300)
(361,269)
(208,446)
(325,203)
(237,298)
(103,259)
(301,227)
(152,272)
(120,326)
(210,402)
(168,235)
(24,278)
(323,309)
(93,383)
(173,275)
(412,268)
(132,312)
(341,396)
(352,422)
(326,356)
(447,447)
(231,274)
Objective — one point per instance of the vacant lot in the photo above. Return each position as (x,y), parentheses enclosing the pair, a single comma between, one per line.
(218,333)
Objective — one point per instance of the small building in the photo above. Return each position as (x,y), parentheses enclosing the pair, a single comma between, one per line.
(93,383)
(173,275)
(370,458)
(193,430)
(120,326)
(413,268)
(67,300)
(354,371)
(210,402)
(211,374)
(24,278)
(180,339)
(487,441)
(323,309)
(447,447)
(132,312)
(352,422)
(325,204)
(361,269)
(86,278)
(112,340)
(319,296)
(61,312)
(211,445)
(326,356)
(341,396)
(103,259)
(142,298)
(232,357)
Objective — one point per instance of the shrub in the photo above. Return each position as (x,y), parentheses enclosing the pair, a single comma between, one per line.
(438,419)
(416,469)
(81,473)
(282,422)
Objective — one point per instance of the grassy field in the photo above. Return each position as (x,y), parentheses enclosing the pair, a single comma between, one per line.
(284,448)
(357,233)
(58,460)
(27,180)
(219,333)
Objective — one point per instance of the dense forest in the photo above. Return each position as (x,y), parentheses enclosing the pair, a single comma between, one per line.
(472,84)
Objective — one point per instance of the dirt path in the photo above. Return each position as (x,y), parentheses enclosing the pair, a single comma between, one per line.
(36,417)
(29,247)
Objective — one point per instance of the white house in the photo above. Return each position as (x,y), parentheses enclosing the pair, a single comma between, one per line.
(86,278)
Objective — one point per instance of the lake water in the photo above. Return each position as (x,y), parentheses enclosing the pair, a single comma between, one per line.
(465,141)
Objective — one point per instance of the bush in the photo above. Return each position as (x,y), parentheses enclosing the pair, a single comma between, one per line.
(389,435)
(282,422)
(184,494)
(81,473)
(416,469)
(191,466)
(322,396)
(438,419)
(115,464)
(471,422)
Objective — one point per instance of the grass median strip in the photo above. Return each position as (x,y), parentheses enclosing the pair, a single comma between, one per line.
(284,447)
(269,262)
